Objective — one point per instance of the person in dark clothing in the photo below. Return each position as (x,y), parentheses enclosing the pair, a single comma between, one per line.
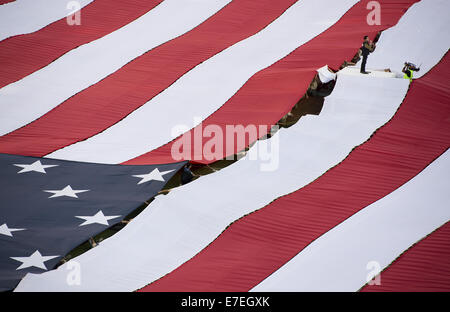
(367,48)
(186,174)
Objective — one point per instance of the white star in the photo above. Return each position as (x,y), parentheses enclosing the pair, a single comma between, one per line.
(154,175)
(36,166)
(35,260)
(99,218)
(67,191)
(7,231)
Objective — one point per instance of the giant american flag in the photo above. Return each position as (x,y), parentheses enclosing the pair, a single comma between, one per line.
(96,95)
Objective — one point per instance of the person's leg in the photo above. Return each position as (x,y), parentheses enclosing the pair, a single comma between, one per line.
(363,64)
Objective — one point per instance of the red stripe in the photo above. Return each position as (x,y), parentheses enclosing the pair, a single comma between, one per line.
(257,245)
(271,93)
(105,103)
(22,55)
(6,1)
(423,267)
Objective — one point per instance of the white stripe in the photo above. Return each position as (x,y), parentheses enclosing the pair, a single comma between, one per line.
(206,88)
(338,260)
(26,16)
(421,37)
(177,226)
(31,97)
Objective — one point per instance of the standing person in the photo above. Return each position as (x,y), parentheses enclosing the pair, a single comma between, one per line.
(367,48)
